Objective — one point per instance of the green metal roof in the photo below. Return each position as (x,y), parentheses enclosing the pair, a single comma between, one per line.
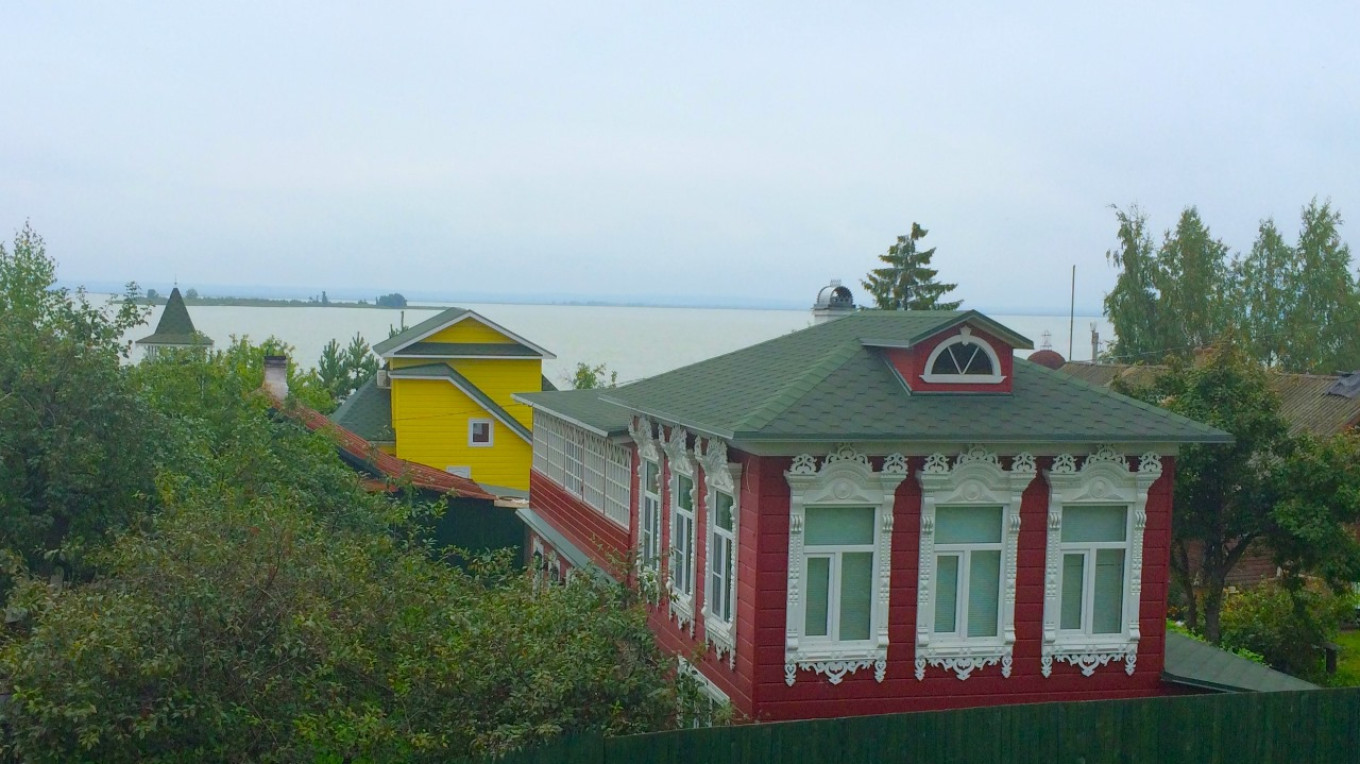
(825,384)
(367,412)
(175,327)
(1195,663)
(583,407)
(467,349)
(446,372)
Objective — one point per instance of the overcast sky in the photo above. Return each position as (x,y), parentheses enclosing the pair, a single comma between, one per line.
(738,151)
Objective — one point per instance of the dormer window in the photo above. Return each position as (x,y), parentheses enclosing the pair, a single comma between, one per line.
(963,359)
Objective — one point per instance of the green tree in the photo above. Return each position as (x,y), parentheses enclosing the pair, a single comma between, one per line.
(342,371)
(907,282)
(1268,285)
(587,377)
(192,294)
(1191,279)
(1295,496)
(1323,325)
(394,300)
(1132,305)
(75,461)
(152,295)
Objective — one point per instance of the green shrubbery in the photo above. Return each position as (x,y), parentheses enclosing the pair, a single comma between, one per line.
(1286,626)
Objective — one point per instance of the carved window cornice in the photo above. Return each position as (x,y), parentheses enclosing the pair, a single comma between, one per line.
(721,476)
(976,478)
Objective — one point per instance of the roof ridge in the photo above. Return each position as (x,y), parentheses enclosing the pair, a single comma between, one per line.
(815,373)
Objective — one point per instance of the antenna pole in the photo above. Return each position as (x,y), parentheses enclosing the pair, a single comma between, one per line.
(1072,315)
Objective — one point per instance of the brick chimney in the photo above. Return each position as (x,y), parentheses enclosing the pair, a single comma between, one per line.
(276,376)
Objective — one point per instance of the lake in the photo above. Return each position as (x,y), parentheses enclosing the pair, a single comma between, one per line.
(636,342)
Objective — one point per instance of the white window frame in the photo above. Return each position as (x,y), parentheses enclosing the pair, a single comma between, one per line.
(643,432)
(573,460)
(721,477)
(490,433)
(1103,480)
(680,464)
(965,336)
(845,478)
(976,479)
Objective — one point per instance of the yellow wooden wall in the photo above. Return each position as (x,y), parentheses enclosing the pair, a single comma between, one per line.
(468,330)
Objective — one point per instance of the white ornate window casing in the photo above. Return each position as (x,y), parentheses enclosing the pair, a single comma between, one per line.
(722,482)
(684,492)
(1103,481)
(649,502)
(845,479)
(585,464)
(975,482)
(963,359)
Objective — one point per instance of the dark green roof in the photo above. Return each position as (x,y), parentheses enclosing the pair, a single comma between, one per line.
(830,383)
(1194,663)
(401,343)
(583,407)
(367,412)
(466,349)
(444,371)
(175,326)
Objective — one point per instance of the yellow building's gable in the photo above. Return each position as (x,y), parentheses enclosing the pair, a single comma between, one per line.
(432,420)
(468,330)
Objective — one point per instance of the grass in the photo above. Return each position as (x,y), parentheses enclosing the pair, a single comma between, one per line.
(1348,664)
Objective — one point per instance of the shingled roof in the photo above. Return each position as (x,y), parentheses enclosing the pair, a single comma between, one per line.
(832,382)
(1307,401)
(175,327)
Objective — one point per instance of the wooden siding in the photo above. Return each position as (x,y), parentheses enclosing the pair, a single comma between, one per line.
(430,418)
(468,330)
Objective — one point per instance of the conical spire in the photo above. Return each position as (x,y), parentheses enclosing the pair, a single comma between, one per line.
(175,326)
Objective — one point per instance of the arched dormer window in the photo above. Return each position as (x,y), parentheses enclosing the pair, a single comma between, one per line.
(963,359)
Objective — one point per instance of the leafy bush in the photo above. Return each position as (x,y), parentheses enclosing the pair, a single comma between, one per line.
(1286,625)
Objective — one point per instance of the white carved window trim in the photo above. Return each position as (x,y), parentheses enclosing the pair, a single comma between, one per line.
(721,477)
(1104,479)
(975,479)
(845,478)
(680,464)
(965,336)
(649,554)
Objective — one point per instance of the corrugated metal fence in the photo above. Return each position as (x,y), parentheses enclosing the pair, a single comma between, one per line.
(1246,728)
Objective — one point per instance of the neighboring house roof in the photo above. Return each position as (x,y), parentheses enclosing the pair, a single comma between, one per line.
(367,412)
(1197,664)
(175,327)
(444,319)
(446,372)
(583,408)
(830,382)
(1309,402)
(399,470)
(466,350)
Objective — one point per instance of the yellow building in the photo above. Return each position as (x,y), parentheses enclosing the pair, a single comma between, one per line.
(443,399)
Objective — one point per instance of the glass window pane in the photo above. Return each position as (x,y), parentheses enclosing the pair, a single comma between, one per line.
(839,525)
(984,593)
(818,591)
(946,592)
(1099,523)
(857,593)
(1072,574)
(722,510)
(684,493)
(651,480)
(968,525)
(1107,614)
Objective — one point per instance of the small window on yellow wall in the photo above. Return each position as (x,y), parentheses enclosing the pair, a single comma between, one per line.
(481,432)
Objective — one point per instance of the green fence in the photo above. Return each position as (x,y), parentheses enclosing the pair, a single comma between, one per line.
(1245,728)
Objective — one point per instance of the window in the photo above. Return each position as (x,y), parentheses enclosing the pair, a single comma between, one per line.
(1094,560)
(723,519)
(680,501)
(649,541)
(840,528)
(573,478)
(481,433)
(963,359)
(586,464)
(970,526)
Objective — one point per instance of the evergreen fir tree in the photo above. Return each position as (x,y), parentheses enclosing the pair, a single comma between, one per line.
(907,282)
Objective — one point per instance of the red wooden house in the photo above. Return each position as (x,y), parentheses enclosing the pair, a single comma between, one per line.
(884,512)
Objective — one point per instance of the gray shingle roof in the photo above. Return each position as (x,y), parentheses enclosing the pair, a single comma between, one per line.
(583,407)
(410,334)
(467,349)
(367,412)
(175,327)
(1189,661)
(824,384)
